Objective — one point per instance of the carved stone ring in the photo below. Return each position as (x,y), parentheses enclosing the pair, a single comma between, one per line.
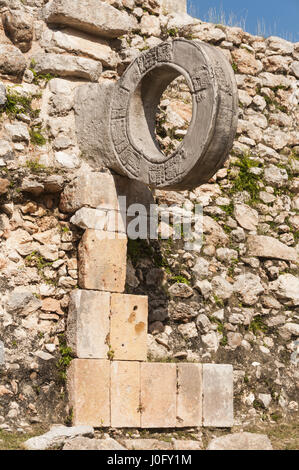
(133,148)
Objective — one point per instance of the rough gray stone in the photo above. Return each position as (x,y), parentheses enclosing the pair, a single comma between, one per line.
(85,443)
(3,98)
(246,216)
(104,137)
(218,395)
(12,61)
(91,16)
(22,302)
(57,436)
(241,441)
(269,247)
(286,287)
(67,66)
(249,287)
(18,132)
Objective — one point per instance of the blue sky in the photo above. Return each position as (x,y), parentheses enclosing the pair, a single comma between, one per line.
(267,17)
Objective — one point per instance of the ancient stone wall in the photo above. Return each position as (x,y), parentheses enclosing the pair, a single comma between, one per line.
(234,302)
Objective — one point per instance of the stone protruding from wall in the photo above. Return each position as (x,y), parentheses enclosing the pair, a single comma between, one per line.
(122,137)
(149,394)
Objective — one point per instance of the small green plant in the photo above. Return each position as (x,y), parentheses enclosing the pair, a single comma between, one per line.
(36,138)
(18,104)
(246,180)
(258,325)
(179,279)
(234,67)
(218,301)
(66,357)
(69,419)
(110,353)
(35,166)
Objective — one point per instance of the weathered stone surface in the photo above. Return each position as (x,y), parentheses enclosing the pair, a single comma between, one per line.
(218,395)
(57,436)
(295,68)
(189,395)
(67,66)
(246,62)
(246,216)
(180,289)
(18,26)
(18,132)
(249,287)
(146,444)
(180,444)
(221,287)
(12,61)
(90,218)
(84,443)
(106,189)
(269,247)
(102,261)
(125,394)
(286,287)
(158,395)
(241,441)
(175,6)
(80,44)
(91,16)
(128,331)
(279,45)
(129,148)
(88,323)
(3,100)
(89,391)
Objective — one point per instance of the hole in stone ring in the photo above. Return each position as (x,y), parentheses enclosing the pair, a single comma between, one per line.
(174,115)
(152,128)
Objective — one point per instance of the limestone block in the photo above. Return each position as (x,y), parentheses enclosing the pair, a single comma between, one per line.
(218,395)
(80,44)
(91,16)
(269,247)
(125,394)
(65,65)
(102,191)
(189,395)
(128,330)
(88,323)
(102,261)
(174,6)
(89,391)
(158,395)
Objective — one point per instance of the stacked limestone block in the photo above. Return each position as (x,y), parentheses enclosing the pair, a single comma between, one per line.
(110,382)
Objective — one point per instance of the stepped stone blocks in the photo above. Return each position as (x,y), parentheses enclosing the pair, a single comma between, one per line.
(89,323)
(218,395)
(89,391)
(128,333)
(158,395)
(133,394)
(189,395)
(102,261)
(125,394)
